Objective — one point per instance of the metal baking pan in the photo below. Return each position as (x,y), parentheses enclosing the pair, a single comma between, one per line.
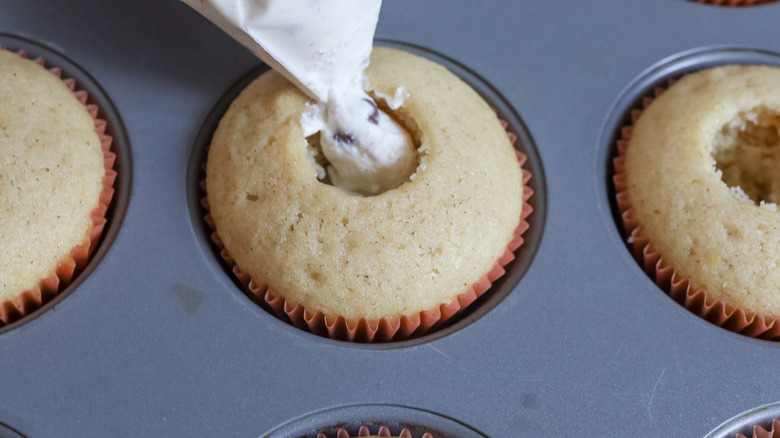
(157,340)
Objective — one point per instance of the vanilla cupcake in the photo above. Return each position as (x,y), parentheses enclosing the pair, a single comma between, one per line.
(54,184)
(698,184)
(378,267)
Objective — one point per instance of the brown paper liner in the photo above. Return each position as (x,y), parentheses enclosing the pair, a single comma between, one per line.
(760,432)
(383,329)
(676,285)
(383,432)
(31,300)
(735,3)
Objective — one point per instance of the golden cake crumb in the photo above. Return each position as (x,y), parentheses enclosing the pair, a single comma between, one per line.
(703,176)
(51,172)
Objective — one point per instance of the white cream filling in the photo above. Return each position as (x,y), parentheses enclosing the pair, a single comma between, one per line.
(367,151)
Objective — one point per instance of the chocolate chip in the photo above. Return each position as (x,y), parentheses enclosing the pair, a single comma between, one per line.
(344,137)
(374,117)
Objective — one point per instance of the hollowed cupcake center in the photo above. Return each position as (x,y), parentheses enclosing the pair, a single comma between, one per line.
(381,174)
(746,152)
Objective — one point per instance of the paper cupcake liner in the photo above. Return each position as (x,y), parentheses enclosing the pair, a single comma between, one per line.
(31,300)
(676,285)
(383,431)
(382,329)
(760,432)
(735,3)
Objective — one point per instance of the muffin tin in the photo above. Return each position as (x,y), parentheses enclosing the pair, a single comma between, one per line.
(157,340)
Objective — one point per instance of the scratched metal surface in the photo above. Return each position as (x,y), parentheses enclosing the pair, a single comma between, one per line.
(156,341)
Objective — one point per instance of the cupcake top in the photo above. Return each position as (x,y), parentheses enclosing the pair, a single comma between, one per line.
(51,172)
(701,170)
(400,252)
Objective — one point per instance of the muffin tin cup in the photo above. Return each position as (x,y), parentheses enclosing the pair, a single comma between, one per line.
(383,329)
(401,331)
(760,432)
(663,273)
(383,420)
(760,422)
(381,431)
(48,288)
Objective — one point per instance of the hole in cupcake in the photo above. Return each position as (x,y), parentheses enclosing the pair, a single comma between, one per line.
(379,154)
(746,152)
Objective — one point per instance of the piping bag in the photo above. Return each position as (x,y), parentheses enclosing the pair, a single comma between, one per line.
(315,44)
(323,47)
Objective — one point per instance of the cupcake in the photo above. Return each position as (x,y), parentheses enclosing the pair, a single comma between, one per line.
(379,267)
(698,185)
(55,183)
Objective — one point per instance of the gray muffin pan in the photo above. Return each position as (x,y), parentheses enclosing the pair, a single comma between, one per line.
(156,339)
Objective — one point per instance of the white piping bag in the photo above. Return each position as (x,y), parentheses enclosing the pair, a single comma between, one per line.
(319,45)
